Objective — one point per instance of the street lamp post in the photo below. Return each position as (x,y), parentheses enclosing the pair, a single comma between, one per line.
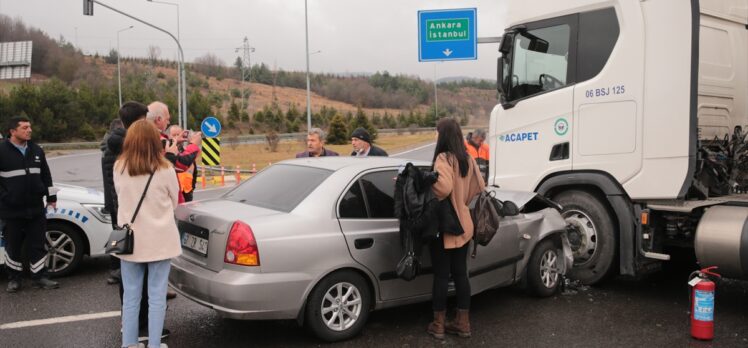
(308,90)
(180,73)
(119,75)
(88,11)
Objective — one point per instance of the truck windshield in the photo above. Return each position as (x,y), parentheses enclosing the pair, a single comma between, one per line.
(539,61)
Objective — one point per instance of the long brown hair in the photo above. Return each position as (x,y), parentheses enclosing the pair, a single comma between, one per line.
(142,150)
(450,141)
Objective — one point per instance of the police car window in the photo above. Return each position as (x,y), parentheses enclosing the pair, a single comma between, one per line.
(540,61)
(352,205)
(380,193)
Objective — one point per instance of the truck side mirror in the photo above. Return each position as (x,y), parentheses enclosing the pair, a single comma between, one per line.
(506,43)
(500,75)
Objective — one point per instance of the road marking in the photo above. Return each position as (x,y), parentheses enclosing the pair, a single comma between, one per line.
(414,150)
(59,320)
(74,155)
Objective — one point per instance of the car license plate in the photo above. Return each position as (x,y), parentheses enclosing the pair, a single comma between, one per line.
(195,243)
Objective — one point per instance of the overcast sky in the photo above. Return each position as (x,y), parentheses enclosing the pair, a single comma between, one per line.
(353,35)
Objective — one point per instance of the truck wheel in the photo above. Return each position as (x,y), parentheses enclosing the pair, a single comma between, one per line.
(338,307)
(543,270)
(593,240)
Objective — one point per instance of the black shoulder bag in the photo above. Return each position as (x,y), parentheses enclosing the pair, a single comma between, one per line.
(121,240)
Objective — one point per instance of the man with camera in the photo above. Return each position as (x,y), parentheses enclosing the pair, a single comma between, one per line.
(188,144)
(158,115)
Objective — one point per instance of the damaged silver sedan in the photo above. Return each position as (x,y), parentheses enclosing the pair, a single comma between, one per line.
(316,240)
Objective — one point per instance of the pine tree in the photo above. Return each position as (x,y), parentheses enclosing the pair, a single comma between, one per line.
(338,134)
(234,112)
(362,121)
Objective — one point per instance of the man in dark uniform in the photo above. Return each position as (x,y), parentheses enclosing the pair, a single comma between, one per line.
(24,182)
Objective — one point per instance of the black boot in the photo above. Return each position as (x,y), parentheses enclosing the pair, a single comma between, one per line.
(13,286)
(44,283)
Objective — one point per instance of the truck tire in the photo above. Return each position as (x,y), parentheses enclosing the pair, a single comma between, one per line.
(595,243)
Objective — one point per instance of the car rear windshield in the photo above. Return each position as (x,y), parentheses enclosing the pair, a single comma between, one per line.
(279,187)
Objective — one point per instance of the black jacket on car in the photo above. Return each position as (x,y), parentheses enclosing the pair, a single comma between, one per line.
(24,181)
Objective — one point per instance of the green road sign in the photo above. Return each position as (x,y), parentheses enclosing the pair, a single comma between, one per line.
(447,29)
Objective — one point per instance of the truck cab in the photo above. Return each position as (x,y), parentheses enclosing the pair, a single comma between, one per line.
(607,107)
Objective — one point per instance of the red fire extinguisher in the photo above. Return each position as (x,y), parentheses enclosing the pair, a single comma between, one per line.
(702,303)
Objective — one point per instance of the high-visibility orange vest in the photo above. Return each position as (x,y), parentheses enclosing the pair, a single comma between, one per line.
(481,152)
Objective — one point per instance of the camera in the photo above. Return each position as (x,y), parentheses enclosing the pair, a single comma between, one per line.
(166,142)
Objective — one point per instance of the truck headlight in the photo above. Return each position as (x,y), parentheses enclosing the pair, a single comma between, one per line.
(98,211)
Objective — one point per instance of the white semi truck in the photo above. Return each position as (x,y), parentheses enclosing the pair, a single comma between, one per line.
(628,113)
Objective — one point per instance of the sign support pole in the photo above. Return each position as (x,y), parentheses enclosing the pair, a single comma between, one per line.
(436,99)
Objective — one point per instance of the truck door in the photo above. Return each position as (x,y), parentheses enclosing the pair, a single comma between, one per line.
(531,131)
(607,121)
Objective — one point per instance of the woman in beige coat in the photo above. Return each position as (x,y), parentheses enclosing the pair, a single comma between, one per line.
(154,229)
(459,181)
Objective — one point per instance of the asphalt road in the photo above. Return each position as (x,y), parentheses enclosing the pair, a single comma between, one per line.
(652,312)
(649,312)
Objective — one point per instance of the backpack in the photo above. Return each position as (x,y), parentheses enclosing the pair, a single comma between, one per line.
(485,210)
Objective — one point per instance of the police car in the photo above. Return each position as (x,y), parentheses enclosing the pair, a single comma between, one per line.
(78,227)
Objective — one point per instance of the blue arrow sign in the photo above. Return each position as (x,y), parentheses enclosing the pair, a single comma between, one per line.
(447,35)
(211,127)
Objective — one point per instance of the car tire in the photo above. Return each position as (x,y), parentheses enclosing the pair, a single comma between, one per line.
(595,245)
(66,254)
(544,273)
(332,321)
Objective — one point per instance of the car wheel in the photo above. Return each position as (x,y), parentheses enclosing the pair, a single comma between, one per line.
(544,269)
(593,237)
(338,307)
(65,249)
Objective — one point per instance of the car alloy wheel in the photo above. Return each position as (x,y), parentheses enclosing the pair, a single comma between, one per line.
(341,306)
(65,248)
(338,306)
(61,250)
(549,271)
(543,271)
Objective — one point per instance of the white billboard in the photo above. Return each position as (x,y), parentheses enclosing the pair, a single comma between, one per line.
(15,60)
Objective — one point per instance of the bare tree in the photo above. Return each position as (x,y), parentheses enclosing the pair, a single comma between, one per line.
(210,65)
(154,53)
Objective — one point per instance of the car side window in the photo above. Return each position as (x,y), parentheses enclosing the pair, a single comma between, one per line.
(352,204)
(379,188)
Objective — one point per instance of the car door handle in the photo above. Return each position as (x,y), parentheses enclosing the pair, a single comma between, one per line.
(363,243)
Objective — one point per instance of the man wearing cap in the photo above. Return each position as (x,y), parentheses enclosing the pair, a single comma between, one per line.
(362,147)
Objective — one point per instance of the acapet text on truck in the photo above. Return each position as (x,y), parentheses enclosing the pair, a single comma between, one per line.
(629,114)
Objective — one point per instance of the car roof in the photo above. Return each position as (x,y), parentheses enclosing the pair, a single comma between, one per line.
(336,163)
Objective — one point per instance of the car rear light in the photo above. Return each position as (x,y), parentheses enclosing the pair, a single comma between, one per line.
(241,247)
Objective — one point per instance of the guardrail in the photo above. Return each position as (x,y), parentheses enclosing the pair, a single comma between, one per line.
(227,140)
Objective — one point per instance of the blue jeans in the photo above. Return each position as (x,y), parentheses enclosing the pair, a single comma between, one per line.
(132,282)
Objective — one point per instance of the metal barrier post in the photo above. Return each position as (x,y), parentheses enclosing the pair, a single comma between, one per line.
(203,176)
